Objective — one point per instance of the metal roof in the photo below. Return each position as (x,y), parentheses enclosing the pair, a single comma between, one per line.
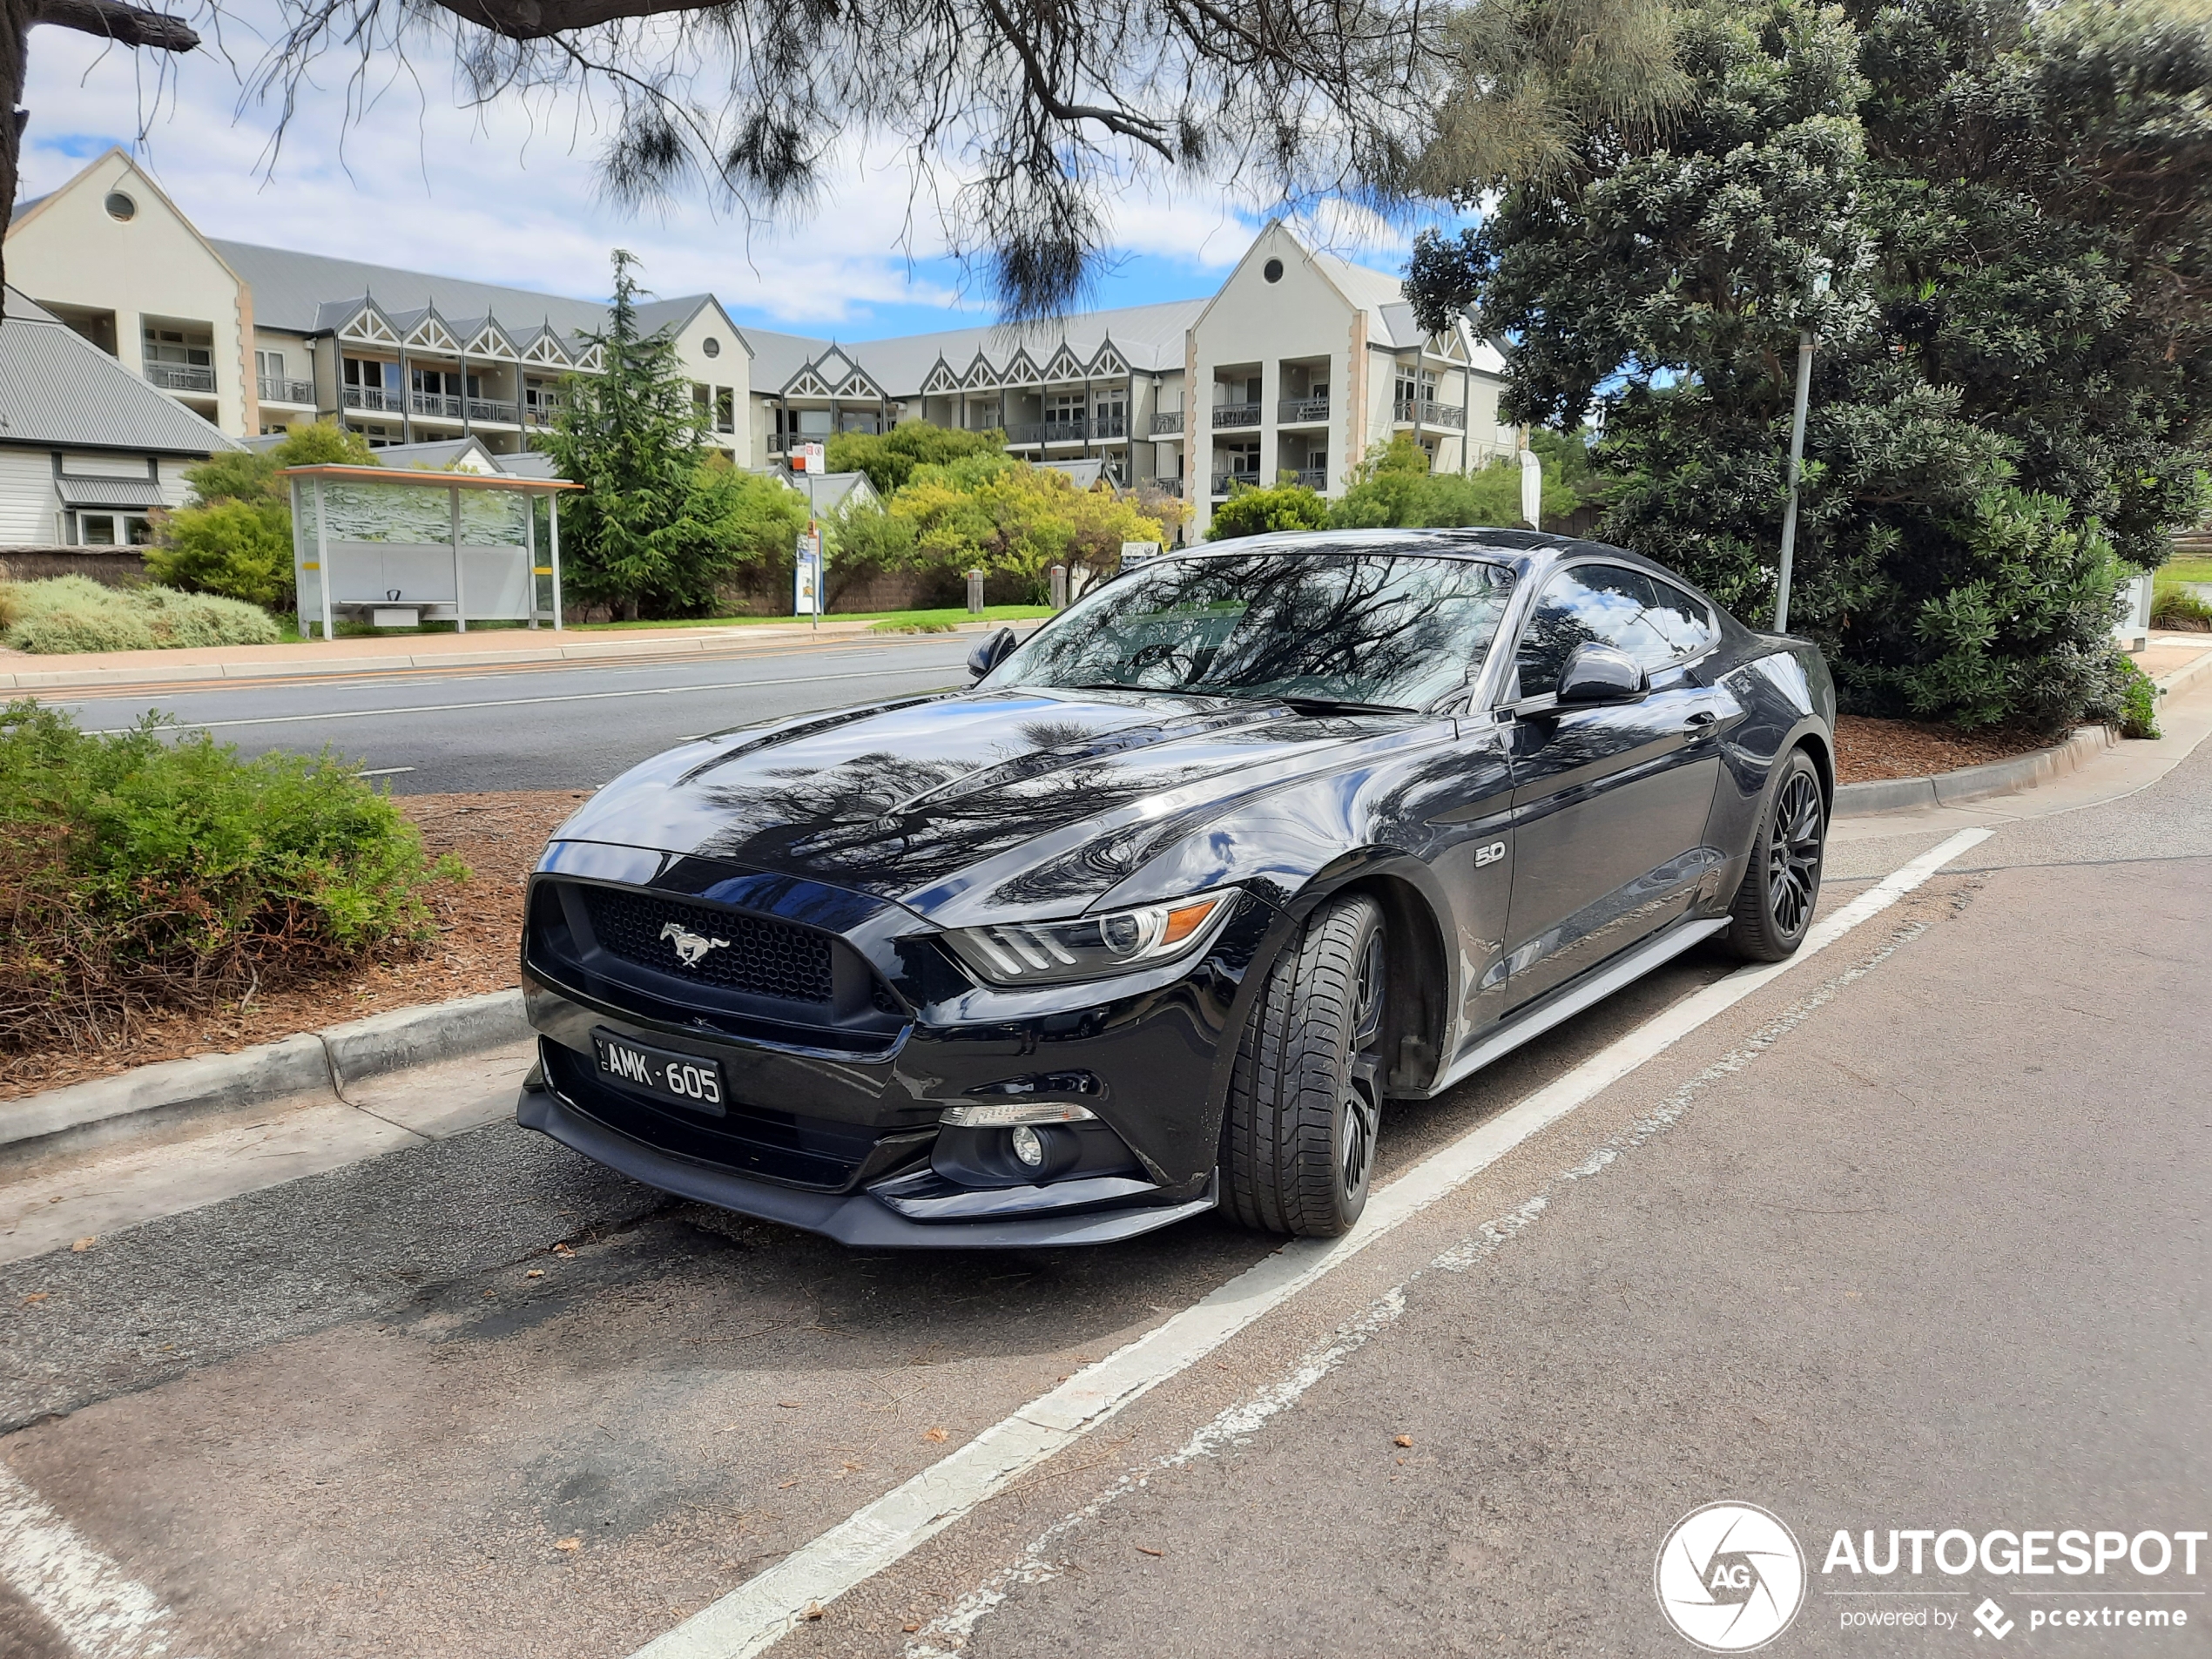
(60,391)
(430,480)
(308,292)
(138,493)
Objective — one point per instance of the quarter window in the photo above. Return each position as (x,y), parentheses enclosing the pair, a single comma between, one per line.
(1688,623)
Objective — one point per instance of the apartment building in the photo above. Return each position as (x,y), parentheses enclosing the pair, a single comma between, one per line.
(256,340)
(1300,364)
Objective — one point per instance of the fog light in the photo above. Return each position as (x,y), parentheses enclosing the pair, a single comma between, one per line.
(1027,1146)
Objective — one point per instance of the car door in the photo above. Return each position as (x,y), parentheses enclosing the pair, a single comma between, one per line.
(1610,800)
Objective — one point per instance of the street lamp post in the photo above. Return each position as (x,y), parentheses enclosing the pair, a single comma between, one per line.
(1805,339)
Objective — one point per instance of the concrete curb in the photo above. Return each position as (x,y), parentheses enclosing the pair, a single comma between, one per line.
(728,642)
(323,1064)
(1973,783)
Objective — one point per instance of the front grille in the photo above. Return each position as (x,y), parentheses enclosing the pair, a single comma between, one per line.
(759,957)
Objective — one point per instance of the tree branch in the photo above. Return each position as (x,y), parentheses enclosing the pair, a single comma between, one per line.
(130,25)
(537,19)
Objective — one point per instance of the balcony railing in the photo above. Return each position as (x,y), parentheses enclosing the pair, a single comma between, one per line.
(1312,477)
(1171,486)
(181,377)
(545,412)
(275,390)
(481,408)
(1292,410)
(1236,414)
(1422,411)
(1222,480)
(1167,422)
(1109,426)
(434,404)
(369,397)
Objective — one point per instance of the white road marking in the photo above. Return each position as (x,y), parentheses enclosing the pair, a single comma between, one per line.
(1236,1424)
(530,702)
(762,1610)
(384,772)
(84,1595)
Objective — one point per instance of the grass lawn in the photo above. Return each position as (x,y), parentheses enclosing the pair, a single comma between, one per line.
(2186,570)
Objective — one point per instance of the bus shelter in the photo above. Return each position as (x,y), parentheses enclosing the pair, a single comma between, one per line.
(393,548)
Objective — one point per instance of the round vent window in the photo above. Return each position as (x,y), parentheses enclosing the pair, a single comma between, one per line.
(120,207)
(711,346)
(1272,270)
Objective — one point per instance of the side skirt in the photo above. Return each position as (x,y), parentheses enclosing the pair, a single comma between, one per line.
(1571,999)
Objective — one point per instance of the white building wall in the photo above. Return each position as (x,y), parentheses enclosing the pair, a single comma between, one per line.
(727,369)
(71,252)
(29,511)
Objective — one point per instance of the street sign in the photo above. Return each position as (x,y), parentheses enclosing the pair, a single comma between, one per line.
(1135,553)
(809,457)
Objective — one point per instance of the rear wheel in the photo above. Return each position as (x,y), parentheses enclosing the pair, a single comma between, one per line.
(1774,906)
(1305,1098)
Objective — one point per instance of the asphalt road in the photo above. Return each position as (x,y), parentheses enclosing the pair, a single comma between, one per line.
(1911,1238)
(532,727)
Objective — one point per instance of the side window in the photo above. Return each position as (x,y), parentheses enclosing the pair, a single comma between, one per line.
(1688,624)
(1592,603)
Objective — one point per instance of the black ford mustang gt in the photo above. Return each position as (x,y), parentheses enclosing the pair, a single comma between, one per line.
(1164,911)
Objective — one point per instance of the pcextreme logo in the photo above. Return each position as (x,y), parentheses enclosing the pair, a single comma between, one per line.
(1730,1577)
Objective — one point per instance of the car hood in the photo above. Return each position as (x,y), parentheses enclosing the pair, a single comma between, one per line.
(1014,802)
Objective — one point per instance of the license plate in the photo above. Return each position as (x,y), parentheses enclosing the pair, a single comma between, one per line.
(685,1079)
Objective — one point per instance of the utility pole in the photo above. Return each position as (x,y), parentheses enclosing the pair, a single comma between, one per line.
(1797,462)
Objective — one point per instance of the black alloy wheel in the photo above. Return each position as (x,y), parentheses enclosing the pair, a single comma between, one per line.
(1774,906)
(1297,1140)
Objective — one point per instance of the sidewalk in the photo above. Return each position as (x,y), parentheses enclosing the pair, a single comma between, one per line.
(19,671)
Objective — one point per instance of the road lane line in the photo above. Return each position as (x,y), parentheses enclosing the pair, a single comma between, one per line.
(101,1613)
(765,1607)
(532,702)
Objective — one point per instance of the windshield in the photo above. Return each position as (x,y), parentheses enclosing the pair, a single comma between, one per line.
(1387,629)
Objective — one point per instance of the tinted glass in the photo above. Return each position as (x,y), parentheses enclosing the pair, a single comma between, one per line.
(1602,603)
(1687,623)
(1394,630)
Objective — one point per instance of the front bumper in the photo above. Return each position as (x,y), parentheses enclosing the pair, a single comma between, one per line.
(849,1217)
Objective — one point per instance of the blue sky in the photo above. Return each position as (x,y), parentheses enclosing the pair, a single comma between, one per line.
(507,195)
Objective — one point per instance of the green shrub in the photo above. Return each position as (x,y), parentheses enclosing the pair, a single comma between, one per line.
(2136,698)
(74,613)
(890,458)
(1255,512)
(139,873)
(238,549)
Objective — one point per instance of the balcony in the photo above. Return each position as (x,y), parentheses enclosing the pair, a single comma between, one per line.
(1167,424)
(1293,410)
(437,406)
(482,409)
(545,412)
(273,390)
(1423,411)
(1237,414)
(182,377)
(1223,480)
(369,397)
(1315,478)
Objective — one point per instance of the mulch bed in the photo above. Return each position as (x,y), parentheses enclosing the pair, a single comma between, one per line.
(499,837)
(1867,750)
(480,928)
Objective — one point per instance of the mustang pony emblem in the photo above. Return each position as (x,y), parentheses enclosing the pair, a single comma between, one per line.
(689,946)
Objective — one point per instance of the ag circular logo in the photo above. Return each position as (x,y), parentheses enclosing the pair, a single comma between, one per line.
(1730,1577)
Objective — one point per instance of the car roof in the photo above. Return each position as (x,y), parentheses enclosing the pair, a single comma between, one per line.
(1527,550)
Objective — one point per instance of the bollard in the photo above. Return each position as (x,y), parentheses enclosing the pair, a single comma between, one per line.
(975,593)
(1059,587)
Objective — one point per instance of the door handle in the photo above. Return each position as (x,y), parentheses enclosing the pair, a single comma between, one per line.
(1702,720)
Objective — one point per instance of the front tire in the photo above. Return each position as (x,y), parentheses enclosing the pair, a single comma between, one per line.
(1781,886)
(1305,1096)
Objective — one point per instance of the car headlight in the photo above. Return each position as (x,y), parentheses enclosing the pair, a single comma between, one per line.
(1047,952)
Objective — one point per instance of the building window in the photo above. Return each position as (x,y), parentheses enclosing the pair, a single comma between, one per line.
(711,346)
(725,408)
(113,530)
(121,207)
(269,365)
(175,345)
(1272,270)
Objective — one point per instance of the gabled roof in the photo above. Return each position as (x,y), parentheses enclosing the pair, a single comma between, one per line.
(58,390)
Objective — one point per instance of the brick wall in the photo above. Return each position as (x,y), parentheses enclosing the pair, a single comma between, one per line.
(116,566)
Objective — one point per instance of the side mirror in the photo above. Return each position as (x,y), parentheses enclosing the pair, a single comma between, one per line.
(1597,673)
(993,652)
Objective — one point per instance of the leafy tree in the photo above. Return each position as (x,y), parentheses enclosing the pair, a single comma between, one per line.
(234,535)
(651,528)
(2011,211)
(1012,519)
(1394,489)
(1255,512)
(889,458)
